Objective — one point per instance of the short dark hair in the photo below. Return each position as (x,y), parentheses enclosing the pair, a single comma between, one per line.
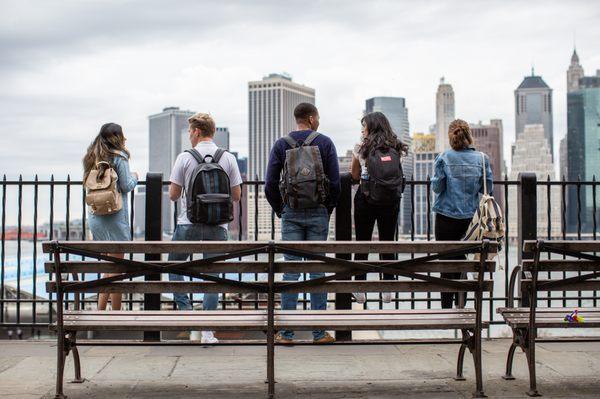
(304,110)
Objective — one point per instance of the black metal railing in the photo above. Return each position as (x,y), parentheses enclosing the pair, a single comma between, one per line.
(36,210)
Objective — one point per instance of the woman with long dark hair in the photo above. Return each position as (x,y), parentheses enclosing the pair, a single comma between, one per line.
(109,147)
(377,138)
(457,182)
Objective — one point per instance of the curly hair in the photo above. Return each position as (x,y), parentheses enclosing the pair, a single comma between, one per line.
(380,135)
(459,134)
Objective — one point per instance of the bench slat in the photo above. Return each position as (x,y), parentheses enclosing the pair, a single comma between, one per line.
(575,245)
(157,247)
(156,287)
(550,317)
(261,267)
(558,265)
(588,285)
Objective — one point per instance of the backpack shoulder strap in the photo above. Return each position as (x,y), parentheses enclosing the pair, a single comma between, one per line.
(484,175)
(311,137)
(197,156)
(218,154)
(290,140)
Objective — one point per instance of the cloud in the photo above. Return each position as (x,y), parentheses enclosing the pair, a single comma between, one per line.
(67,68)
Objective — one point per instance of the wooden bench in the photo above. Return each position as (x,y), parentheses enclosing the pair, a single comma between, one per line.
(415,275)
(580,271)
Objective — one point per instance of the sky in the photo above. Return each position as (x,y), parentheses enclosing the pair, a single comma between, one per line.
(68,67)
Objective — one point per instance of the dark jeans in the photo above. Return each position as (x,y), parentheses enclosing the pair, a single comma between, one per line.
(365,217)
(450,229)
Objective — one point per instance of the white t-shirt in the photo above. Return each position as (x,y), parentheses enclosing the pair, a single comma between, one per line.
(185,164)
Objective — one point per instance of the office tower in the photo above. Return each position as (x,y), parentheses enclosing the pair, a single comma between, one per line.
(488,139)
(574,73)
(271,103)
(394,108)
(168,132)
(533,140)
(563,156)
(221,138)
(345,162)
(444,114)
(423,146)
(533,105)
(583,153)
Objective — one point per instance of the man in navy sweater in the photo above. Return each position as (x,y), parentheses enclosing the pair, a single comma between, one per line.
(310,224)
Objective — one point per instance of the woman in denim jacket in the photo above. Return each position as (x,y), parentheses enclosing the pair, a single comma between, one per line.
(457,183)
(109,146)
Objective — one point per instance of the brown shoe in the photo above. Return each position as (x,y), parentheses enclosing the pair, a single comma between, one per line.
(280,339)
(326,339)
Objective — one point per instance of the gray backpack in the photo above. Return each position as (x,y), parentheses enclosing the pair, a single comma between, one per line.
(303,182)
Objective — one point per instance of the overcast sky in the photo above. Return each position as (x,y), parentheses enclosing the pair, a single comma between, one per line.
(67,67)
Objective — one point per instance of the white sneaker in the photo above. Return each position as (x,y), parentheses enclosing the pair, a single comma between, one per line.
(194,335)
(208,337)
(386,297)
(360,297)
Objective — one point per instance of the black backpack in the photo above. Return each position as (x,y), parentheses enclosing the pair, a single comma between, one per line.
(208,193)
(303,181)
(386,179)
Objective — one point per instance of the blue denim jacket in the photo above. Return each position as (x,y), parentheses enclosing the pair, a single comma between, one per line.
(458,181)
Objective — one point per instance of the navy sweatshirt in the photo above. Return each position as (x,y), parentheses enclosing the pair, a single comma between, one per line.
(277,159)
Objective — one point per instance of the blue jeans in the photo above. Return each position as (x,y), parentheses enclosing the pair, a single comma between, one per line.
(195,232)
(303,225)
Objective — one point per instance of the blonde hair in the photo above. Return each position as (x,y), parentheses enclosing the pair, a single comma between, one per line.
(204,122)
(459,135)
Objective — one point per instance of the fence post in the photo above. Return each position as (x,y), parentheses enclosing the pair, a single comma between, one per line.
(343,232)
(527,220)
(154,195)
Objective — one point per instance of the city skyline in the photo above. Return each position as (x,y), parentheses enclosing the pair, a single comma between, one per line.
(72,70)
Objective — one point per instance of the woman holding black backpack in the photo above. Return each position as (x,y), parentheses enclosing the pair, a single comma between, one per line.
(376,164)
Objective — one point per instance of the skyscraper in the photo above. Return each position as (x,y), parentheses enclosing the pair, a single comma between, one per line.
(221,138)
(167,133)
(423,146)
(574,73)
(583,152)
(271,103)
(444,114)
(488,139)
(533,140)
(394,108)
(533,105)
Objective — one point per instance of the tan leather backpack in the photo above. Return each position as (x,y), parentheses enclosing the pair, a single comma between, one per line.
(103,196)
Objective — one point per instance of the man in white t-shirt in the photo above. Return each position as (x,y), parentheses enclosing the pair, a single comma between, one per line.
(201,133)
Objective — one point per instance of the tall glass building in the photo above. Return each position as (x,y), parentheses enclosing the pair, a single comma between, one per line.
(583,147)
(394,108)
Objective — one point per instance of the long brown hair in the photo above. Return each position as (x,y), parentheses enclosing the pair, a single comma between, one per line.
(108,143)
(380,135)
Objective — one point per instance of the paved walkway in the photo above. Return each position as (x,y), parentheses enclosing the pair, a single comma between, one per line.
(27,371)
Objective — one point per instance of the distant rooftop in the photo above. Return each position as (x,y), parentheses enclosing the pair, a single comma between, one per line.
(283,75)
(533,82)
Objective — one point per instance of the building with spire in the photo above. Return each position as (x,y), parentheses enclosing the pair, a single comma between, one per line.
(533,105)
(444,114)
(582,144)
(574,73)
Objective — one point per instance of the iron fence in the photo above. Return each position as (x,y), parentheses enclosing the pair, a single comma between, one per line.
(60,205)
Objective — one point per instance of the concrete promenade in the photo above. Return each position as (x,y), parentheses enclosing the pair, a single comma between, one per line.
(27,370)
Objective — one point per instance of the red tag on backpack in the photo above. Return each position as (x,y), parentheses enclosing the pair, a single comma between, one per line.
(387,158)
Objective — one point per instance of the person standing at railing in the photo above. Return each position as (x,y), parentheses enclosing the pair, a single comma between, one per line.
(302,184)
(207,180)
(107,152)
(458,183)
(376,164)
